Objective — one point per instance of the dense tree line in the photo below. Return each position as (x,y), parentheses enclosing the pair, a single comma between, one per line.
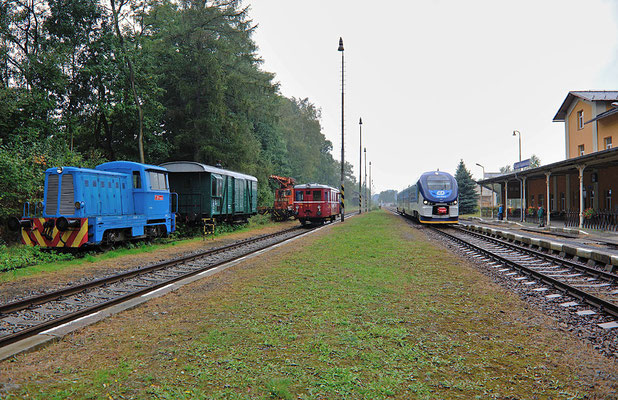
(84,81)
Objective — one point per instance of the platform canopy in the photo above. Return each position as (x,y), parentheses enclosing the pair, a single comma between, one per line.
(599,159)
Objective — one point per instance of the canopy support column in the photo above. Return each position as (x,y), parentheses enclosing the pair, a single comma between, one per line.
(548,208)
(581,195)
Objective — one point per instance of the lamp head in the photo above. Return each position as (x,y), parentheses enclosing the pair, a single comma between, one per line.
(360,121)
(340,45)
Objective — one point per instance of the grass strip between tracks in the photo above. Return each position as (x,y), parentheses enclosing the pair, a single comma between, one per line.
(367,310)
(63,261)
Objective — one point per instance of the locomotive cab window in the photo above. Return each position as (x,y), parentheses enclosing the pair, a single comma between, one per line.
(317,195)
(299,195)
(217,185)
(158,180)
(137,180)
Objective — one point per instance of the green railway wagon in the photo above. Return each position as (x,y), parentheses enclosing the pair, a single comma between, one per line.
(206,192)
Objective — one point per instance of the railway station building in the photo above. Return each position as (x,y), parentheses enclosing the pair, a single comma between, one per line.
(582,190)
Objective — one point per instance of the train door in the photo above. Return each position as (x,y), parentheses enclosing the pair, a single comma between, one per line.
(90,195)
(126,196)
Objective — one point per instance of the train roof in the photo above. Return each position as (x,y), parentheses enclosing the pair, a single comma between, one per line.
(192,166)
(63,170)
(314,186)
(131,165)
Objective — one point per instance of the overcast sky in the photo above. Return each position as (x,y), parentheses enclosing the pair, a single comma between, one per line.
(439,81)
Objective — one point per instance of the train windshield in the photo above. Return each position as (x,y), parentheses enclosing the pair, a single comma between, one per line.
(438,183)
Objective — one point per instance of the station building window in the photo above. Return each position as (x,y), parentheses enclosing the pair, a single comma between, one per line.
(580,119)
(552,202)
(562,202)
(540,200)
(580,149)
(608,142)
(608,199)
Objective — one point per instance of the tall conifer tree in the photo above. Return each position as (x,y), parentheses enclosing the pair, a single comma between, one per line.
(468,197)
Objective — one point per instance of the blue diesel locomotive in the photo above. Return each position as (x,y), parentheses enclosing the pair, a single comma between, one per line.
(114,202)
(432,200)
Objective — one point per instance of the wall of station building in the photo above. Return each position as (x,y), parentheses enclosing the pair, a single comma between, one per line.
(606,127)
(580,136)
(564,192)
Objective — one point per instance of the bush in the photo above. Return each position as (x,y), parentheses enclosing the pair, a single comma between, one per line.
(15,257)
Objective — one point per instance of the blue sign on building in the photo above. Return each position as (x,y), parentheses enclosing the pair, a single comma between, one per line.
(521,165)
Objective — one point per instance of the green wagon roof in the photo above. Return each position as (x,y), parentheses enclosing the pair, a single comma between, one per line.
(192,166)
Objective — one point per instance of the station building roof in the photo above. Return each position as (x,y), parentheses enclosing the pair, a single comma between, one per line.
(599,159)
(588,95)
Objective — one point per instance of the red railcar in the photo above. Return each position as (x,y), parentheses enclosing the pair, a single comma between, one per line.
(315,203)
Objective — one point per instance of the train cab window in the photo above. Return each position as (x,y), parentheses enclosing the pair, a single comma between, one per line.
(288,192)
(158,180)
(317,195)
(299,195)
(438,182)
(217,185)
(137,180)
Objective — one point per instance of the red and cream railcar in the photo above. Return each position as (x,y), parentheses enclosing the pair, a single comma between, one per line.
(315,203)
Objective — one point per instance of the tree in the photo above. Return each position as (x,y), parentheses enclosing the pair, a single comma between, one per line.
(388,196)
(506,169)
(535,161)
(468,197)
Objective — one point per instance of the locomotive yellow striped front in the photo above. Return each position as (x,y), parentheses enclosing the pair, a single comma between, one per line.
(44,233)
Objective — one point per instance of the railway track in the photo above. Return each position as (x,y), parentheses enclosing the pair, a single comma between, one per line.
(30,316)
(586,286)
(39,314)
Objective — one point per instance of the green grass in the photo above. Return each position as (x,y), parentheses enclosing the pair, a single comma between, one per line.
(360,313)
(21,261)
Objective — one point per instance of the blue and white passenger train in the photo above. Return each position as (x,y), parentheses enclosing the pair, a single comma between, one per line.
(432,200)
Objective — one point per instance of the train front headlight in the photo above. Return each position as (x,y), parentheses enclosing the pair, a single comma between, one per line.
(425,202)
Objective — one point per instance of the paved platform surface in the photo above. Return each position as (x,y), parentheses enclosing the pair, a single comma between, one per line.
(587,238)
(594,245)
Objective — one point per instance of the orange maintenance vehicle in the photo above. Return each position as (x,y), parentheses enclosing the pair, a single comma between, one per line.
(284,198)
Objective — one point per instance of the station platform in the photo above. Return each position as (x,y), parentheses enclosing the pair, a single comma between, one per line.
(589,246)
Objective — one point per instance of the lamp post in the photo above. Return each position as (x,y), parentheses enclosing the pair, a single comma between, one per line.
(521,200)
(365,151)
(515,133)
(481,187)
(342,130)
(360,166)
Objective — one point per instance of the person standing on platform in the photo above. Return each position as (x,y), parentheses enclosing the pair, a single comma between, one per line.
(541,214)
(500,211)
